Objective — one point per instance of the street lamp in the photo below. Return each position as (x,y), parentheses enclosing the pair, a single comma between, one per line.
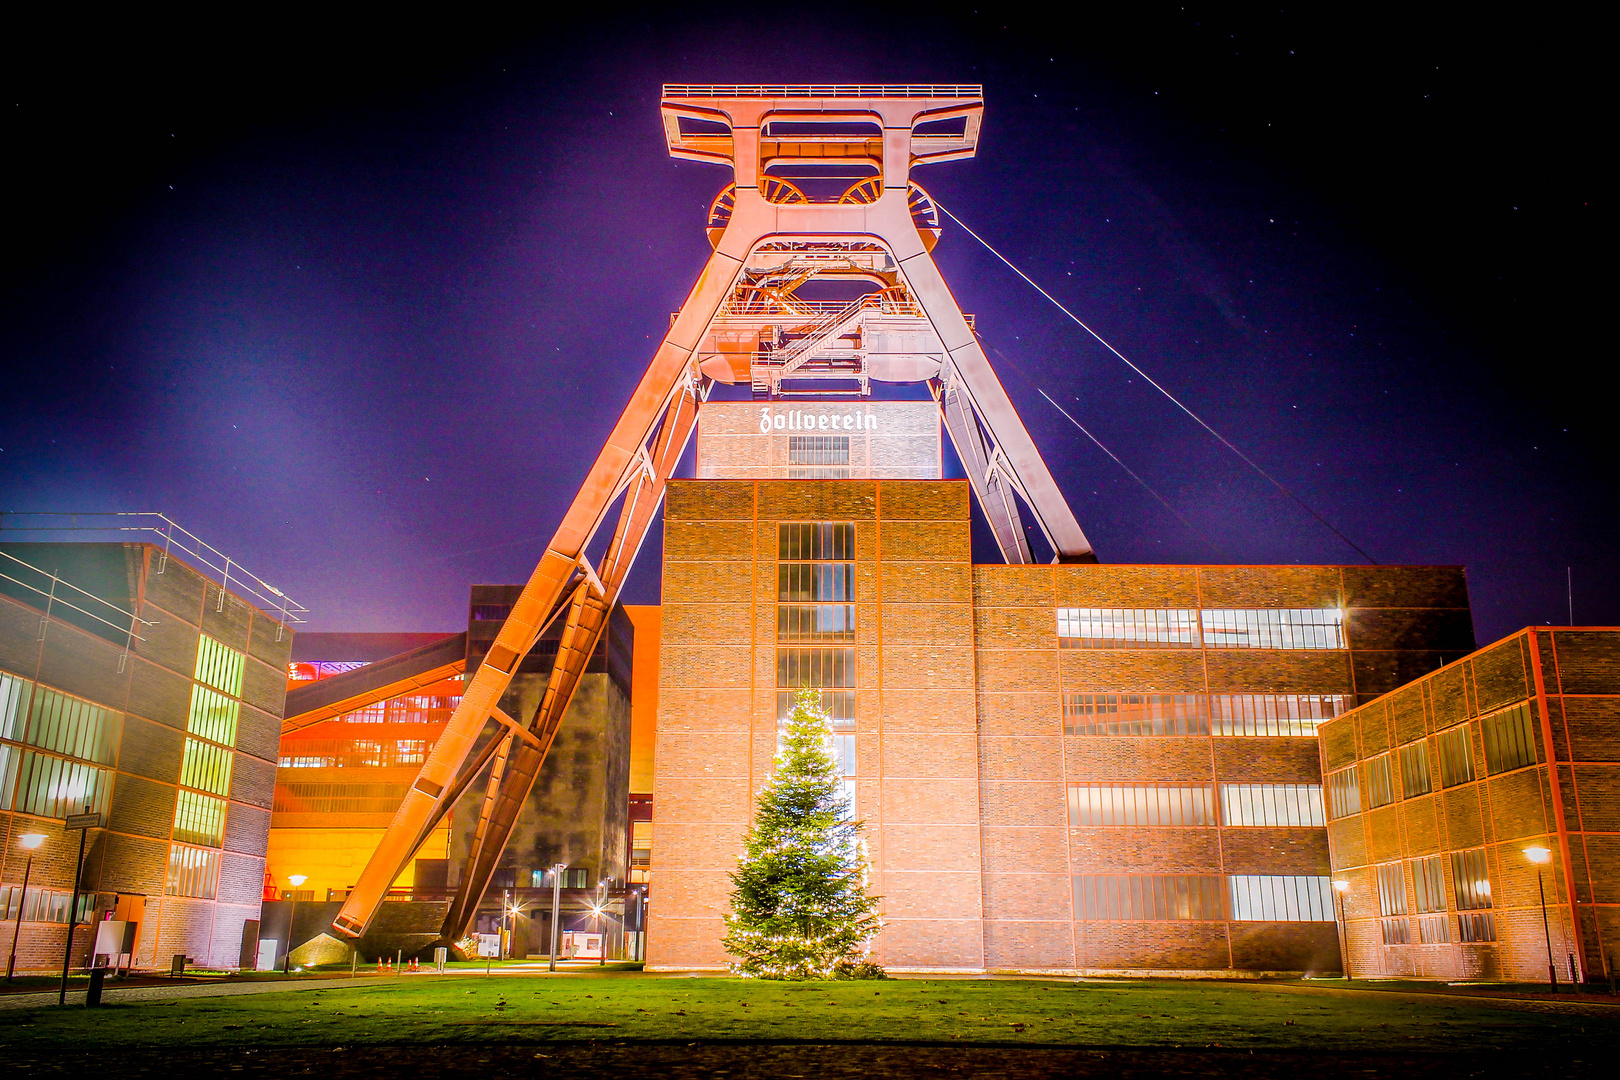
(556,903)
(295,880)
(513,909)
(1340,887)
(28,842)
(1541,857)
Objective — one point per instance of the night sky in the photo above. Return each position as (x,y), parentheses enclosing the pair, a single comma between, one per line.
(358,304)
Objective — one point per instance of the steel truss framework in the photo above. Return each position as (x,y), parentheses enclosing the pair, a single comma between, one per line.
(774,229)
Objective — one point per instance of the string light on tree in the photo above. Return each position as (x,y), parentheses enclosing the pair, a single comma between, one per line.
(799,906)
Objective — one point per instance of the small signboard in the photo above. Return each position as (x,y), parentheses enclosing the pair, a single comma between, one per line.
(489,945)
(82,821)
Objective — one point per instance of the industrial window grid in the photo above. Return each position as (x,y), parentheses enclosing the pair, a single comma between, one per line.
(411,708)
(192,872)
(206,767)
(1272,714)
(572,878)
(1476,926)
(199,819)
(338,798)
(41,905)
(1275,805)
(48,786)
(1391,889)
(1433,929)
(1273,628)
(1280,898)
(1396,931)
(1380,782)
(1510,740)
(1127,628)
(816,541)
(1428,884)
(51,720)
(213,716)
(1214,628)
(818,449)
(818,472)
(1344,792)
(839,705)
(815,622)
(1415,776)
(1456,751)
(1222,715)
(1471,880)
(219,666)
(1141,804)
(1148,897)
(815,594)
(1134,714)
(353,753)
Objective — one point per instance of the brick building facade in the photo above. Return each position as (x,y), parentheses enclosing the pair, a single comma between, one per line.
(170,733)
(1437,791)
(1062,768)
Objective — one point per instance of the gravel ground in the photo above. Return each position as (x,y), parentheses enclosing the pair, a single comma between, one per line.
(779,1062)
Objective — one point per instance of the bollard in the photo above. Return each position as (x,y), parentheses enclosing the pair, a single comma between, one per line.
(92,996)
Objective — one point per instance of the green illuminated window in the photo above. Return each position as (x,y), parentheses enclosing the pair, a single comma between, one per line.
(206,767)
(51,720)
(218,666)
(49,786)
(213,715)
(199,819)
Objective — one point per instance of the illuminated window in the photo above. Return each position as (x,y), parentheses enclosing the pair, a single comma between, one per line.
(1380,782)
(839,705)
(1428,884)
(1456,756)
(815,622)
(816,541)
(1471,886)
(572,878)
(1285,805)
(1272,714)
(818,451)
(1280,898)
(51,720)
(1510,740)
(815,581)
(218,666)
(815,667)
(411,751)
(1273,628)
(1126,628)
(1344,793)
(1134,714)
(1415,777)
(42,905)
(338,798)
(49,786)
(1141,804)
(192,872)
(1391,890)
(1434,930)
(213,715)
(199,819)
(1148,897)
(206,767)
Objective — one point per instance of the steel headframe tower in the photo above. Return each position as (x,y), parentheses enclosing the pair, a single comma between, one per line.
(822,190)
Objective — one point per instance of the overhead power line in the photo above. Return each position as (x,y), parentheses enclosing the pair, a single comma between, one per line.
(1222,439)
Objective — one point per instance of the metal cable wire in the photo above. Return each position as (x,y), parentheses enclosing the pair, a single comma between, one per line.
(1222,439)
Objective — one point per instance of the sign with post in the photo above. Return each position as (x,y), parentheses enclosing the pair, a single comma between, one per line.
(82,823)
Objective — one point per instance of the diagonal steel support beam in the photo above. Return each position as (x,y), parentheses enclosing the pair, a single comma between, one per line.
(587,619)
(980,460)
(668,389)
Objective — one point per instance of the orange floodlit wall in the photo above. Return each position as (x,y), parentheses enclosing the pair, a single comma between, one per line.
(339,782)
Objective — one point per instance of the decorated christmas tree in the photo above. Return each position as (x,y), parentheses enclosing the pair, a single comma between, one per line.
(799,909)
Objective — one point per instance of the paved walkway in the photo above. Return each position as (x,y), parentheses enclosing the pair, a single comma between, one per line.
(180,990)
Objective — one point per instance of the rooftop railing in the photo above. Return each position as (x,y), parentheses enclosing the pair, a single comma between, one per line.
(825,90)
(160,531)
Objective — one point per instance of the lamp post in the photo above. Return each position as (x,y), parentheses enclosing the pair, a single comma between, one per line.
(1340,887)
(28,842)
(1541,857)
(295,880)
(513,909)
(556,903)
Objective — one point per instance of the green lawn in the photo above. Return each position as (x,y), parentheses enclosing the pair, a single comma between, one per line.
(629,1007)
